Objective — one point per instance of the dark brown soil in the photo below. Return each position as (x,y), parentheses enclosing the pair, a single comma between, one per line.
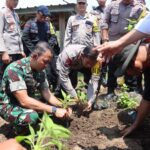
(100,130)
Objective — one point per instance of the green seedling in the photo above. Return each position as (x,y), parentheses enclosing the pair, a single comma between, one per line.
(49,135)
(67,101)
(124,100)
(81,84)
(82,97)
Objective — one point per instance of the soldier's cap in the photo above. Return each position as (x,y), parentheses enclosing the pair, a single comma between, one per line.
(81,1)
(125,58)
(44,10)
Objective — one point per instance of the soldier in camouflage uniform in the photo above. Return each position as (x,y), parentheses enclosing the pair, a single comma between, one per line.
(21,80)
(73,59)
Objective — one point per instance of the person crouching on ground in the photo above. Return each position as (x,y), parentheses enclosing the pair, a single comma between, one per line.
(80,58)
(20,81)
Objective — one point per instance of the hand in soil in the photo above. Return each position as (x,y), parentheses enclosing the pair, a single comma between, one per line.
(88,108)
(69,113)
(126,131)
(61,113)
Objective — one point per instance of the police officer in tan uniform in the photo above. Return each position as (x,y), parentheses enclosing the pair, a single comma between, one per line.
(11,47)
(72,59)
(113,27)
(82,28)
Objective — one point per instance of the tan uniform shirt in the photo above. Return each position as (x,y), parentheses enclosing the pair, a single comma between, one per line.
(69,59)
(115,18)
(10,33)
(82,30)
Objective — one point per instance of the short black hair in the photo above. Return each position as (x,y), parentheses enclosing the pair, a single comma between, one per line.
(90,53)
(42,47)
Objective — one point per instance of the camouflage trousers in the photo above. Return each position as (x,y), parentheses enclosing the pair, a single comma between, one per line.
(17,115)
(3,66)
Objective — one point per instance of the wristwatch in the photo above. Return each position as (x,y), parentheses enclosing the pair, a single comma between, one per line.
(54,109)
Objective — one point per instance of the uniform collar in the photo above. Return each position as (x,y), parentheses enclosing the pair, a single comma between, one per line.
(83,17)
(28,69)
(99,8)
(131,4)
(9,10)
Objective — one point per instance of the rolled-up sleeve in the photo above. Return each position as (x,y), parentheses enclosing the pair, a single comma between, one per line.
(16,81)
(18,85)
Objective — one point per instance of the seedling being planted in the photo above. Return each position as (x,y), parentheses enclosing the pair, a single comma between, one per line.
(125,100)
(82,97)
(67,100)
(49,135)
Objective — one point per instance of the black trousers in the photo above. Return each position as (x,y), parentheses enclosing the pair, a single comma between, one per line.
(73,75)
(130,81)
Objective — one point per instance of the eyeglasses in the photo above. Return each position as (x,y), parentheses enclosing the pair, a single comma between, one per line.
(81,3)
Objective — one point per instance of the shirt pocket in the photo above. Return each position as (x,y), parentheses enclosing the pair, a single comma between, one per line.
(135,13)
(11,27)
(75,26)
(114,15)
(33,32)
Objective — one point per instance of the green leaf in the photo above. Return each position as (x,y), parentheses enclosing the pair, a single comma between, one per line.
(23,138)
(64,94)
(32,131)
(20,138)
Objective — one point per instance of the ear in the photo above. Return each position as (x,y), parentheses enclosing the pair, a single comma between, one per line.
(82,55)
(35,56)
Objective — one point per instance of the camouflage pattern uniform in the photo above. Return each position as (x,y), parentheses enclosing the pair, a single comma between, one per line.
(19,76)
(69,62)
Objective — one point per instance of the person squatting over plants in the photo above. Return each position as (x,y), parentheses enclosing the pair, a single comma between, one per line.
(76,58)
(136,61)
(21,80)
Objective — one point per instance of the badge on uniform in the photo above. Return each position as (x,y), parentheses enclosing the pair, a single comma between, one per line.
(75,26)
(68,62)
(89,26)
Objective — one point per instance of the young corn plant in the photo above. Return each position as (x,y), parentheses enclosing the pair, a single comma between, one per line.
(49,135)
(67,101)
(124,99)
(82,97)
(81,93)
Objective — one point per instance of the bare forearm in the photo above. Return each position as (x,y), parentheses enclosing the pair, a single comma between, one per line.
(51,98)
(105,34)
(142,112)
(34,104)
